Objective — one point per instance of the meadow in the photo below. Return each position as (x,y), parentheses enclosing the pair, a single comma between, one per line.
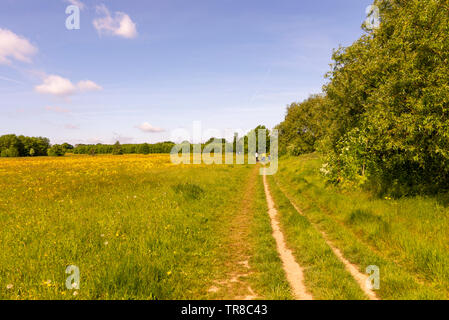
(137,227)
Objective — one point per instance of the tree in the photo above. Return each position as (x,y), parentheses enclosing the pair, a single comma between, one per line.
(143,149)
(389,102)
(304,126)
(56,150)
(117,149)
(67,146)
(11,146)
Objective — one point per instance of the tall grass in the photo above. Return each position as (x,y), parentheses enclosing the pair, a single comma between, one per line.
(136,226)
(407,238)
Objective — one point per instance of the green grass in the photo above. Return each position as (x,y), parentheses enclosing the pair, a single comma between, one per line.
(136,226)
(407,238)
(136,231)
(270,280)
(324,275)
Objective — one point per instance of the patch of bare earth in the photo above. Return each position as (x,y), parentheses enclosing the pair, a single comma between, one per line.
(360,277)
(293,271)
(236,285)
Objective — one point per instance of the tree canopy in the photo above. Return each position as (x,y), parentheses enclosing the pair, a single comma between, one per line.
(384,115)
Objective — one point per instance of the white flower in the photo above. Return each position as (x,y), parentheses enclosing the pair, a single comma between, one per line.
(106,243)
(10,286)
(324,169)
(75,293)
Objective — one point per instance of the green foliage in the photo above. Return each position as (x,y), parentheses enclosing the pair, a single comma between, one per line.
(21,146)
(384,120)
(67,146)
(145,148)
(256,132)
(117,149)
(390,100)
(231,147)
(303,126)
(56,150)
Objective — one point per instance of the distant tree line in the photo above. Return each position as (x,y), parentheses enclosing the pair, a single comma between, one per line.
(117,148)
(383,119)
(238,144)
(21,146)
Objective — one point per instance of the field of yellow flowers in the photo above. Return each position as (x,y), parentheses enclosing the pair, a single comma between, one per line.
(136,227)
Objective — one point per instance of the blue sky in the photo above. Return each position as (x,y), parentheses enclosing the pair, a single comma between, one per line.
(138,69)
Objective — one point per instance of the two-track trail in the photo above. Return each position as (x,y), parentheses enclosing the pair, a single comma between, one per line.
(360,277)
(293,271)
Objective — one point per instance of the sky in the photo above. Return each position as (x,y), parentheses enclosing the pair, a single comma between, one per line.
(137,70)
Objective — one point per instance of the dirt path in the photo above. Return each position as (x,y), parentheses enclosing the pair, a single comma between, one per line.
(293,271)
(235,286)
(360,277)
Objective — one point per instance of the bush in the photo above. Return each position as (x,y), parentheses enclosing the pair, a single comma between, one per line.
(10,152)
(56,151)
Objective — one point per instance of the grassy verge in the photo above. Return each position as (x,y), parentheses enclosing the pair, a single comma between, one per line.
(407,238)
(324,275)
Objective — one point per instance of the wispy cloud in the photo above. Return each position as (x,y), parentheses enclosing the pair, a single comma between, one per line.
(63,87)
(146,127)
(77,3)
(88,85)
(10,80)
(71,127)
(15,47)
(57,109)
(120,25)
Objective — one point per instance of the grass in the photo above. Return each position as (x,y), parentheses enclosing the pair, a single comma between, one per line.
(270,278)
(407,238)
(324,275)
(137,227)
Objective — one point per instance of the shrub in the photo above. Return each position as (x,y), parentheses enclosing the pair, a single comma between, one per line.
(56,151)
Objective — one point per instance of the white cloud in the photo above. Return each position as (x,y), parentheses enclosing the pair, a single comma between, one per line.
(56,85)
(77,3)
(15,47)
(119,25)
(56,109)
(59,86)
(71,127)
(10,80)
(146,127)
(88,85)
